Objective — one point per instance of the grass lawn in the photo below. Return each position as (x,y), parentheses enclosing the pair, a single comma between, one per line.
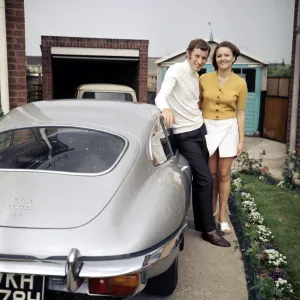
(281,211)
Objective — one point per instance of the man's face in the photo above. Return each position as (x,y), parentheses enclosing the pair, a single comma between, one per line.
(197,59)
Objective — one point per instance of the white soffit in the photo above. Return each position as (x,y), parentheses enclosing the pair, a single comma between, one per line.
(94,51)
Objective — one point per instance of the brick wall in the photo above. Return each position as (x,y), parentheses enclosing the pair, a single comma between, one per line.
(55,41)
(291,86)
(16,56)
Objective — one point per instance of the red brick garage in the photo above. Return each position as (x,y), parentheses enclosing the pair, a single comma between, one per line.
(53,45)
(16,56)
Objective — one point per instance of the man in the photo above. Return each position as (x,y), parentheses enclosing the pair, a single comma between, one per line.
(178,102)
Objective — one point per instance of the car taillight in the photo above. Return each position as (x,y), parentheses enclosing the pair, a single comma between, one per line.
(114,286)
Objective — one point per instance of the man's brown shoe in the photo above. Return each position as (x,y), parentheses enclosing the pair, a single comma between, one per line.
(216,239)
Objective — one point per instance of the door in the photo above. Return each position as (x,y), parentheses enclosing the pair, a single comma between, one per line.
(253,78)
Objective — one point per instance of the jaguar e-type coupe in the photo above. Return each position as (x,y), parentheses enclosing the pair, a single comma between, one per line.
(93,200)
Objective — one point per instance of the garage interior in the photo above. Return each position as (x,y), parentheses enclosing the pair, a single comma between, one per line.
(68,62)
(69,72)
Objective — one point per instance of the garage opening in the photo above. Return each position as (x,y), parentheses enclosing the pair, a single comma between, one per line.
(69,72)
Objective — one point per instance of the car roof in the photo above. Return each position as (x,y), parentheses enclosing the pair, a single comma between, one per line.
(117,116)
(105,87)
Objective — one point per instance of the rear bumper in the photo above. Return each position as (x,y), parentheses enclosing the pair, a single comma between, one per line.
(75,271)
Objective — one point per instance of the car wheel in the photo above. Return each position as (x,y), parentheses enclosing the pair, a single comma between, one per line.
(164,284)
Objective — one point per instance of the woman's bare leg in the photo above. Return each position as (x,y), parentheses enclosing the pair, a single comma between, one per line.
(224,166)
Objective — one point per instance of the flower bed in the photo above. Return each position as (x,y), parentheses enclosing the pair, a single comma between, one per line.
(265,265)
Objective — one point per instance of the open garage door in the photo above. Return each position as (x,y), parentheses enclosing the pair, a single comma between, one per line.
(71,71)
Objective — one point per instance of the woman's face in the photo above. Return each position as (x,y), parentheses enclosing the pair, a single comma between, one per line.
(224,58)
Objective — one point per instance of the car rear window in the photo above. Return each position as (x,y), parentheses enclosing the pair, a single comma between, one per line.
(107,96)
(62,149)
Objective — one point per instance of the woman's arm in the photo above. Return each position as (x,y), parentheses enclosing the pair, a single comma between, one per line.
(241,105)
(241,128)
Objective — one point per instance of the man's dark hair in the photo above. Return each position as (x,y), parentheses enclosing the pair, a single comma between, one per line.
(198,44)
(234,49)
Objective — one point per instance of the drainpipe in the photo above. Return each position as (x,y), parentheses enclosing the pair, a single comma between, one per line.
(295,96)
(3,61)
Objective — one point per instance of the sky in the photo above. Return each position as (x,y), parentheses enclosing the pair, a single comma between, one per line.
(260,27)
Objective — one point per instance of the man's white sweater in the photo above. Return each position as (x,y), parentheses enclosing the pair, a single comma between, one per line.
(180,92)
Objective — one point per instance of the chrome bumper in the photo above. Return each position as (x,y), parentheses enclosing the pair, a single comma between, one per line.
(75,269)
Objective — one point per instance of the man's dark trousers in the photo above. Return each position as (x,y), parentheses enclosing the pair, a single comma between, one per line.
(192,145)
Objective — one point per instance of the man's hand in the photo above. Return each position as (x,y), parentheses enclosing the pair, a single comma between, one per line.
(168,117)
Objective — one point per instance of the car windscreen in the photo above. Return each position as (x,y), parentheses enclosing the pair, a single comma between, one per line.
(107,96)
(62,149)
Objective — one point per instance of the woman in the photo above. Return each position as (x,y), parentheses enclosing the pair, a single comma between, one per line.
(223,96)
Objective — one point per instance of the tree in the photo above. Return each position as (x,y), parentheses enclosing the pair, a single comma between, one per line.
(279,70)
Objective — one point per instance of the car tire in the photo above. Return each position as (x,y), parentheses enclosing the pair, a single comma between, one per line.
(164,284)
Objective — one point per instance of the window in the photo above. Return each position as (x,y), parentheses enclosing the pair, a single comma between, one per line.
(236,71)
(161,149)
(249,75)
(5,139)
(250,79)
(63,149)
(107,96)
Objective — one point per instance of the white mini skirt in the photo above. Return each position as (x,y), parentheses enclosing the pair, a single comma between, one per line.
(222,135)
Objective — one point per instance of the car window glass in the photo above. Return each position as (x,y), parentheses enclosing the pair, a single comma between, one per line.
(63,149)
(159,144)
(5,139)
(107,96)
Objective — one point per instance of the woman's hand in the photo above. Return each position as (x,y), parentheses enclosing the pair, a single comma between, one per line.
(240,148)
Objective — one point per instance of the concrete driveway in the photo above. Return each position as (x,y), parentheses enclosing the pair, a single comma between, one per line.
(207,272)
(275,153)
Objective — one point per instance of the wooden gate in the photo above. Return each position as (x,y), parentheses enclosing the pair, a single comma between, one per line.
(276,109)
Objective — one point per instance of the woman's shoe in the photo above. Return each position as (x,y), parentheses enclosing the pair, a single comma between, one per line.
(224,227)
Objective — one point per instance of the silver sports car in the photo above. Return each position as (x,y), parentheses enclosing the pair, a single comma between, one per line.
(93,200)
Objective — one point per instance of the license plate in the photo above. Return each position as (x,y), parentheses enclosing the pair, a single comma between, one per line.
(21,287)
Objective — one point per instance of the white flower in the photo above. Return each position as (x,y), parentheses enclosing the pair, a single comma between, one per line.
(283,286)
(281,183)
(275,259)
(249,206)
(255,218)
(246,197)
(237,184)
(233,172)
(265,234)
(262,177)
